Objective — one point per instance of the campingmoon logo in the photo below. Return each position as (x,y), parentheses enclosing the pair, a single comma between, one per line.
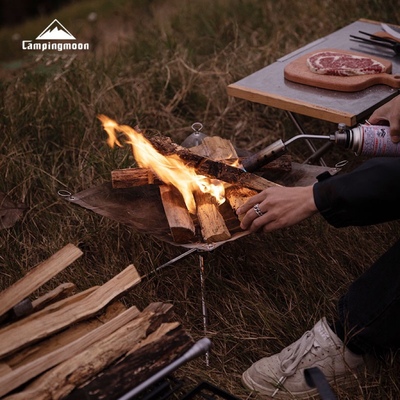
(55,37)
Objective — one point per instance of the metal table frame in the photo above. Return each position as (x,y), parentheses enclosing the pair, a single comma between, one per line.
(269,87)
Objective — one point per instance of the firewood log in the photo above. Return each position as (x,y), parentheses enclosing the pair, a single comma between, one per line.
(178,216)
(132,177)
(210,168)
(37,277)
(28,371)
(147,357)
(60,292)
(55,318)
(237,196)
(212,224)
(62,379)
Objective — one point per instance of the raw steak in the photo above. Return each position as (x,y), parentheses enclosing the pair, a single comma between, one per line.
(342,64)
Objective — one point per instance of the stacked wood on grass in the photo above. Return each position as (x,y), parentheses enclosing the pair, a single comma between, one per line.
(212,159)
(66,345)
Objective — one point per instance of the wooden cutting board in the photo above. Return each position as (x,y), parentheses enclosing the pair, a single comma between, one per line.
(298,71)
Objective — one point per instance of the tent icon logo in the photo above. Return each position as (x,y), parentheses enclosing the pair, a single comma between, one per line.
(56,31)
(56,37)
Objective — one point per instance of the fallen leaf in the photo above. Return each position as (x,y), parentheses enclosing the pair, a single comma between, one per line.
(10,212)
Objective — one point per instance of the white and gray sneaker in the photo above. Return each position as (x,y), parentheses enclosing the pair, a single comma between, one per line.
(281,376)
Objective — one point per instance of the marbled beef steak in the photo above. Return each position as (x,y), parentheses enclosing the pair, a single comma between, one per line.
(343,64)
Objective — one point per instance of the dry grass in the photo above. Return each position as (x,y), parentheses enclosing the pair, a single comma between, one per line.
(171,69)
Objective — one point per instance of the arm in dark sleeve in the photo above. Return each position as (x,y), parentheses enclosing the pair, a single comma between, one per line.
(368,195)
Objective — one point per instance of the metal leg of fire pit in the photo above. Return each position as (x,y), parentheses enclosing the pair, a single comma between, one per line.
(202,288)
(203,304)
(183,255)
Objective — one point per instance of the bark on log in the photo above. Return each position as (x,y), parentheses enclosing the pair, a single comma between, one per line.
(62,379)
(212,224)
(53,318)
(28,371)
(151,355)
(37,277)
(179,219)
(131,177)
(208,167)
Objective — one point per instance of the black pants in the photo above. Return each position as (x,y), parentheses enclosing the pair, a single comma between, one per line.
(370,310)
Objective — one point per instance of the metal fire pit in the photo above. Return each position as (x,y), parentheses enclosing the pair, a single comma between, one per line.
(141,207)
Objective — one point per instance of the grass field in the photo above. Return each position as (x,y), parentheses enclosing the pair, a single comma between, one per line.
(164,65)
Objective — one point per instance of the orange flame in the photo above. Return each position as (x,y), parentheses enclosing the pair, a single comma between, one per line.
(170,169)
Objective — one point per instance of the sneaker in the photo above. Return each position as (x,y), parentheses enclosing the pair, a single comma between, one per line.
(281,376)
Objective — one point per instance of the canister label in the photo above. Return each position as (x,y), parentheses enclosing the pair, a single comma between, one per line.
(375,141)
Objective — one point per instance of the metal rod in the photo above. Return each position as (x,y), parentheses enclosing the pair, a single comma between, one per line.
(200,347)
(308,136)
(183,255)
(301,130)
(203,303)
(319,153)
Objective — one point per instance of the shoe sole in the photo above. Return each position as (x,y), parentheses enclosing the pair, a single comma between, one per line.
(344,382)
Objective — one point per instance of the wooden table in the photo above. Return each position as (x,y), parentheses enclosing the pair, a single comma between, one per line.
(268,85)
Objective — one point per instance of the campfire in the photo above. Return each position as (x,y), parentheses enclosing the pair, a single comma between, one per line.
(200,188)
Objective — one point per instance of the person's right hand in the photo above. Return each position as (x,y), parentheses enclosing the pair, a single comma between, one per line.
(388,114)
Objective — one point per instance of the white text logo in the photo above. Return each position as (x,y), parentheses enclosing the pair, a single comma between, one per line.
(55,37)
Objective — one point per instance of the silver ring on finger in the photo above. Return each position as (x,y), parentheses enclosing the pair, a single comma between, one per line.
(257,210)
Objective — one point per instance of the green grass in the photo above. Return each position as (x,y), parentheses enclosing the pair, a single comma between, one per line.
(164,65)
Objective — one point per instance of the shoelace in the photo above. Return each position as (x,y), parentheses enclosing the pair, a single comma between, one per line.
(293,357)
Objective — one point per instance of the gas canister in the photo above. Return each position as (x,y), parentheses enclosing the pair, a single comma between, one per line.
(367,140)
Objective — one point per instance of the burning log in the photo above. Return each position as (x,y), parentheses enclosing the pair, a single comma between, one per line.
(212,224)
(179,219)
(208,167)
(131,177)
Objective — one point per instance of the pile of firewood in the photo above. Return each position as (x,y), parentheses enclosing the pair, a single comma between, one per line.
(88,345)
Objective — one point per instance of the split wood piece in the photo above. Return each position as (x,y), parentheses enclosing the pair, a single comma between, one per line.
(212,224)
(179,220)
(52,319)
(237,196)
(147,358)
(37,277)
(131,177)
(63,378)
(217,149)
(208,167)
(60,292)
(60,304)
(28,371)
(26,306)
(63,338)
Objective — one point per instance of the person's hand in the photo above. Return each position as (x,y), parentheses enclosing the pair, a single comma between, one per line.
(281,207)
(388,114)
